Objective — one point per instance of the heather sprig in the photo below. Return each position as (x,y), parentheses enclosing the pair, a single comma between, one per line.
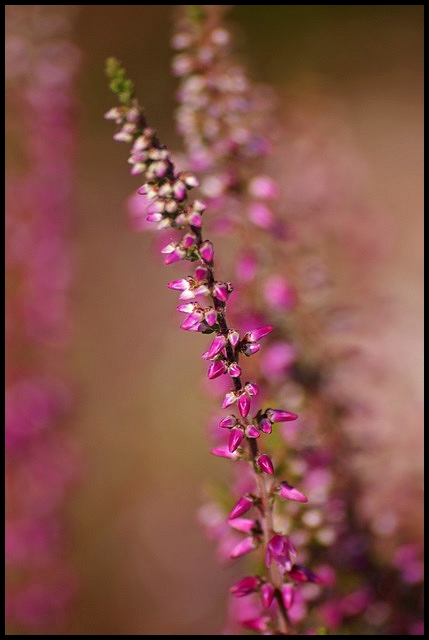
(205,307)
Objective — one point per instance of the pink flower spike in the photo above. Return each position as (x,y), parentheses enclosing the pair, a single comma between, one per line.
(234,370)
(216,346)
(265,425)
(229,399)
(251,389)
(245,586)
(267,594)
(242,506)
(220,291)
(245,525)
(265,464)
(252,431)
(224,452)
(257,334)
(276,415)
(216,369)
(235,439)
(288,594)
(244,546)
(290,493)
(206,251)
(244,404)
(228,422)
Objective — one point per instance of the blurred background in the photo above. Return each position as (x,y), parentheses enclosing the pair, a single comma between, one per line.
(139,409)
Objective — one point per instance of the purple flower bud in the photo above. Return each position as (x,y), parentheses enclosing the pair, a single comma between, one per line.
(161,168)
(154,217)
(242,506)
(216,369)
(234,370)
(243,547)
(179,190)
(244,404)
(235,438)
(233,337)
(179,285)
(189,179)
(188,240)
(280,549)
(195,219)
(201,273)
(251,388)
(252,431)
(265,425)
(229,399)
(290,493)
(265,464)
(288,594)
(188,307)
(267,594)
(216,346)
(220,291)
(206,251)
(301,574)
(224,452)
(276,415)
(228,422)
(201,290)
(256,624)
(171,206)
(210,316)
(245,586)
(175,252)
(251,348)
(257,334)
(192,320)
(245,525)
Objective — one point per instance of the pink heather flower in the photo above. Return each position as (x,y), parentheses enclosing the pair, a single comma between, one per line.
(243,547)
(216,369)
(277,415)
(245,525)
(277,359)
(221,291)
(244,404)
(229,399)
(252,431)
(251,388)
(265,425)
(174,252)
(301,574)
(210,316)
(267,594)
(265,464)
(224,452)
(256,334)
(179,285)
(245,586)
(288,593)
(257,624)
(233,337)
(290,493)
(235,439)
(216,346)
(250,349)
(206,251)
(234,370)
(263,187)
(279,294)
(243,505)
(261,215)
(228,422)
(280,549)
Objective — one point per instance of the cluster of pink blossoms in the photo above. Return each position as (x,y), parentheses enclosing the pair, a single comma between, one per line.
(41,64)
(204,303)
(222,124)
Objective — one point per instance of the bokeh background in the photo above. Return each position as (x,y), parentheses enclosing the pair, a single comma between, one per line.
(143,563)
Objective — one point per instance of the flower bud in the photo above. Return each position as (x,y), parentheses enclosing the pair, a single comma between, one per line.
(265,464)
(243,505)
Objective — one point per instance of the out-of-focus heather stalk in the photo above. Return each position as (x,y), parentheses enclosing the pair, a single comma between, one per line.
(204,301)
(285,273)
(41,64)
